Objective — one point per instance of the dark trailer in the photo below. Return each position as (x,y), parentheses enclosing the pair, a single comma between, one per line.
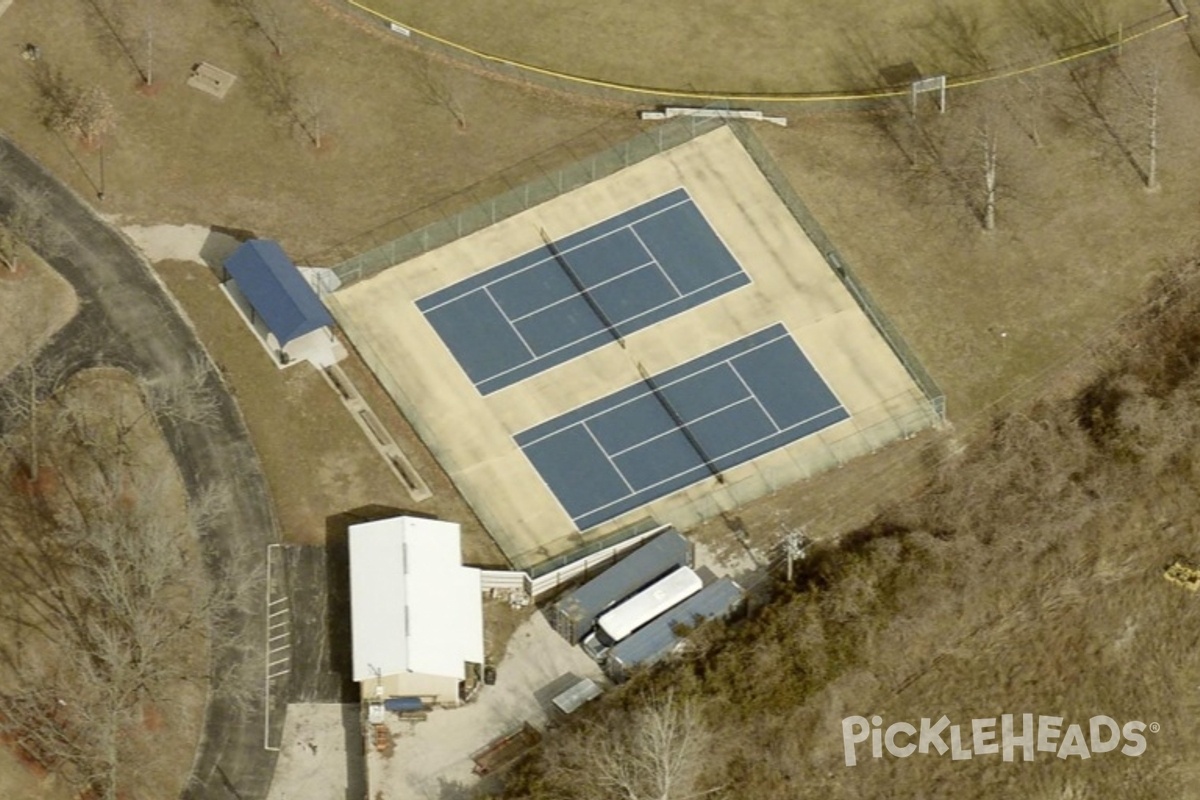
(660,637)
(574,614)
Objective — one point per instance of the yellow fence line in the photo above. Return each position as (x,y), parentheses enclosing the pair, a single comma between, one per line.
(751,98)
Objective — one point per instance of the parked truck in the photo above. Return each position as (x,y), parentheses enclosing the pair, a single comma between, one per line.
(664,635)
(575,614)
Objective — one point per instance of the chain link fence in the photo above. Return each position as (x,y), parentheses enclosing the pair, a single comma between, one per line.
(670,134)
(900,417)
(766,164)
(525,196)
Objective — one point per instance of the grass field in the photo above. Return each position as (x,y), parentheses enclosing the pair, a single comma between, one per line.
(39,289)
(317,460)
(772,47)
(391,146)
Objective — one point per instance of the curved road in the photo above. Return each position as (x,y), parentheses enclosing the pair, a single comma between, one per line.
(126,319)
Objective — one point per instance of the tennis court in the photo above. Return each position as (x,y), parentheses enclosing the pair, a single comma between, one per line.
(671,430)
(501,348)
(583,291)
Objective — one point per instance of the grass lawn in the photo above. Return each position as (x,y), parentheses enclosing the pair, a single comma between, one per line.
(774,46)
(390,143)
(34,303)
(317,460)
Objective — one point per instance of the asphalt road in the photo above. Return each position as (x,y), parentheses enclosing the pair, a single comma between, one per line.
(127,319)
(319,591)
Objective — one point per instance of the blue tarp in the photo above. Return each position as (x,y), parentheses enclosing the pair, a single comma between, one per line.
(276,290)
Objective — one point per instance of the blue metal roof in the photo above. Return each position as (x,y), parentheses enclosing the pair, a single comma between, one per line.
(276,290)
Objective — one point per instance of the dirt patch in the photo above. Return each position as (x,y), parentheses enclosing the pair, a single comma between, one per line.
(500,621)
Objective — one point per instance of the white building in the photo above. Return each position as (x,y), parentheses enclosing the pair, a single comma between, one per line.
(416,612)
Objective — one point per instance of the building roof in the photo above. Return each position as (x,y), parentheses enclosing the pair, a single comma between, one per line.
(276,290)
(413,606)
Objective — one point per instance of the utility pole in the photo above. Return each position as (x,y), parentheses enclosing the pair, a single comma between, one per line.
(795,546)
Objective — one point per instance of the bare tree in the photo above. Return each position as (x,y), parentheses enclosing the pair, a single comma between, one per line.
(1151,100)
(72,110)
(953,41)
(656,751)
(1068,23)
(1143,81)
(30,400)
(261,16)
(129,25)
(311,112)
(436,90)
(184,396)
(300,103)
(988,138)
(107,604)
(960,154)
(1122,106)
(92,115)
(27,224)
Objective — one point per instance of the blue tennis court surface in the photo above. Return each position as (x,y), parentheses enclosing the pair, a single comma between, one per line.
(531,313)
(736,403)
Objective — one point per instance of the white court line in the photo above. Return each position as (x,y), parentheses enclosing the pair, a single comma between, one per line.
(649,393)
(723,455)
(687,199)
(657,263)
(533,356)
(754,395)
(678,428)
(577,295)
(604,453)
(606,334)
(751,396)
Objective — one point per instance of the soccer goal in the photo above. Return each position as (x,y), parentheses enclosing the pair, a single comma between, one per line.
(925,85)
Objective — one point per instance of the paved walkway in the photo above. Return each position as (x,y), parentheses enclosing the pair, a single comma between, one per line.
(127,319)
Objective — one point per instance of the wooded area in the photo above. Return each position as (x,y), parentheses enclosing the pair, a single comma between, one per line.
(1027,577)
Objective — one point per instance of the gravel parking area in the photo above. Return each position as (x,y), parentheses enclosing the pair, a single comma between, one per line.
(321,754)
(432,760)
